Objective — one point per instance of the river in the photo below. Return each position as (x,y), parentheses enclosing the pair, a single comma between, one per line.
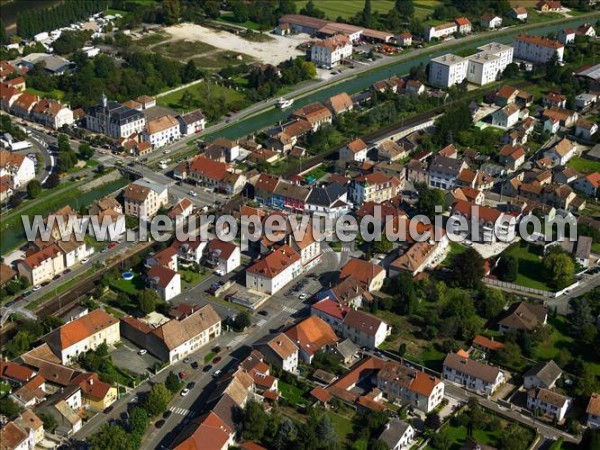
(12,8)
(364,80)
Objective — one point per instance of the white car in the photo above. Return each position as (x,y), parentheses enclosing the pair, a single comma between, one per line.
(166,152)
(85,260)
(185,392)
(193,193)
(142,352)
(217,373)
(302,296)
(220,272)
(36,288)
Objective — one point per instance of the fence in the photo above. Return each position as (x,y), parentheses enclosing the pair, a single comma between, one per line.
(518,287)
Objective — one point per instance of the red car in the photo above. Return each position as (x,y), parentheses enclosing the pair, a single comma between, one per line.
(217,359)
(112,245)
(182,375)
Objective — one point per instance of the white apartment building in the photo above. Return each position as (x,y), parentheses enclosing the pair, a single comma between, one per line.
(447,70)
(472,375)
(225,256)
(52,114)
(330,52)
(548,403)
(42,265)
(440,31)
(365,330)
(483,68)
(83,334)
(537,49)
(274,271)
(114,119)
(143,198)
(19,168)
(374,187)
(162,131)
(504,52)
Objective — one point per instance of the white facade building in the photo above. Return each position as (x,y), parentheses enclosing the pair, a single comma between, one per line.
(330,52)
(162,131)
(537,49)
(19,168)
(472,375)
(274,271)
(483,68)
(447,70)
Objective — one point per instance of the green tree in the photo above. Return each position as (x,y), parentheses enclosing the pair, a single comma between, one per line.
(394,21)
(326,434)
(560,269)
(8,407)
(53,180)
(286,435)
(467,268)
(490,303)
(85,151)
(433,421)
(50,423)
(157,399)
(312,11)
(511,71)
(147,300)
(173,383)
(3,35)
(455,119)
(111,437)
(240,11)
(254,421)
(34,189)
(138,421)
(429,198)
(383,245)
(406,8)
(590,440)
(242,321)
(508,268)
(172,10)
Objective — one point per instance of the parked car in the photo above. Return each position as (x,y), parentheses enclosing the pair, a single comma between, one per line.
(207,368)
(182,375)
(167,414)
(185,392)
(160,423)
(217,373)
(263,312)
(36,288)
(191,385)
(217,360)
(302,296)
(85,260)
(220,273)
(142,352)
(195,365)
(108,410)
(112,245)
(186,360)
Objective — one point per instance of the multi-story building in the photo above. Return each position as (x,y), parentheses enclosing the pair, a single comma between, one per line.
(165,281)
(18,168)
(191,123)
(440,31)
(364,329)
(484,224)
(537,49)
(143,198)
(447,70)
(310,336)
(316,114)
(471,374)
(354,151)
(83,334)
(223,256)
(279,350)
(483,68)
(374,187)
(332,51)
(271,273)
(504,52)
(162,131)
(114,120)
(42,265)
(548,403)
(444,171)
(52,114)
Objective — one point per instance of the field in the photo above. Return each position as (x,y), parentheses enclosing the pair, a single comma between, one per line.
(584,165)
(530,267)
(183,50)
(151,39)
(348,8)
(204,93)
(220,59)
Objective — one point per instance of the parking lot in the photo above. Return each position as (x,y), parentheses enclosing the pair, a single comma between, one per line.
(127,357)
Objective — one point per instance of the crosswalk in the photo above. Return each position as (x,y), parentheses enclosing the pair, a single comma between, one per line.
(289,310)
(182,411)
(261,322)
(237,340)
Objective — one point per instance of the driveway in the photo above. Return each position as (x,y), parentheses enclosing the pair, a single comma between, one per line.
(126,356)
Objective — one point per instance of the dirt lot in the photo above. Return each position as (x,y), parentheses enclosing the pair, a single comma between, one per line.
(272,52)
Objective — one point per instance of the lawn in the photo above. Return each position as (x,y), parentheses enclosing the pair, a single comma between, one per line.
(343,426)
(531,269)
(458,436)
(5,389)
(227,18)
(131,287)
(347,8)
(204,93)
(534,17)
(222,58)
(292,394)
(151,39)
(317,173)
(455,249)
(584,165)
(208,358)
(183,49)
(55,94)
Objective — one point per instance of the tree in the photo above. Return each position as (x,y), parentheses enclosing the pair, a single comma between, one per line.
(508,268)
(172,10)
(402,350)
(53,180)
(8,407)
(326,434)
(455,119)
(406,8)
(50,423)
(580,318)
(147,300)
(254,421)
(3,35)
(377,444)
(34,189)
(429,198)
(511,71)
(286,435)
(433,421)
(490,303)
(560,269)
(157,400)
(138,421)
(242,321)
(111,437)
(312,11)
(476,416)
(85,151)
(394,20)
(591,439)
(383,245)
(468,268)
(173,383)
(515,437)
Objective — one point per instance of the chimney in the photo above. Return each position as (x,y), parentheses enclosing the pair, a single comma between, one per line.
(91,381)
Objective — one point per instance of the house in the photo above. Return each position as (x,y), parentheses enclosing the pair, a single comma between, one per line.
(542,375)
(417,258)
(180,211)
(191,123)
(18,168)
(486,344)
(24,104)
(290,196)
(52,114)
(310,336)
(506,117)
(346,351)
(369,275)
(404,39)
(472,375)
(586,29)
(440,31)
(328,201)
(15,437)
(554,99)
(42,265)
(397,434)
(190,251)
(274,271)
(143,199)
(260,372)
(512,157)
(584,129)
(389,150)
(565,175)
(447,70)
(585,100)
(162,131)
(83,334)
(593,411)
(566,36)
(307,246)
(114,119)
(588,184)
(340,103)
(8,96)
(537,49)
(548,6)
(223,256)
(565,117)
(176,338)
(166,258)
(506,95)
(518,13)
(583,251)
(363,329)
(414,87)
(211,433)
(374,187)
(95,393)
(331,51)
(483,68)
(279,350)
(561,153)
(316,114)
(223,150)
(548,403)
(32,424)
(490,21)
(354,151)
(15,374)
(444,171)
(165,281)
(523,316)
(464,25)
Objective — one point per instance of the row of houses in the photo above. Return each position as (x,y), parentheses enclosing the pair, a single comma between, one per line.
(16,171)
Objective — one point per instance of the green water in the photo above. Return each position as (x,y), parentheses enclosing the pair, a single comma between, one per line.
(15,236)
(363,81)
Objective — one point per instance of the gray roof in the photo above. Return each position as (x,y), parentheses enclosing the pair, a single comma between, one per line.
(158,188)
(471,367)
(118,113)
(591,72)
(584,247)
(442,164)
(393,432)
(347,348)
(53,63)
(326,196)
(546,372)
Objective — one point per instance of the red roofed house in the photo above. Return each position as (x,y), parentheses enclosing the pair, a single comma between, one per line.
(340,103)
(23,106)
(212,433)
(487,345)
(548,6)
(464,25)
(181,210)
(354,151)
(223,256)
(95,393)
(274,271)
(315,113)
(589,184)
(370,275)
(83,334)
(165,281)
(8,96)
(332,51)
(492,224)
(537,49)
(15,374)
(42,265)
(374,187)
(512,157)
(311,335)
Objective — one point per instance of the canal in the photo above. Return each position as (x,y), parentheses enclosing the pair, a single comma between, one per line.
(362,81)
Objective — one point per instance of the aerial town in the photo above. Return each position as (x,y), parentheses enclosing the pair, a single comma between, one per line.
(457,140)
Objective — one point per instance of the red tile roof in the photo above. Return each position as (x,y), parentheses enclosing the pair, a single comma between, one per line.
(331,308)
(84,327)
(275,262)
(207,168)
(363,271)
(321,394)
(312,334)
